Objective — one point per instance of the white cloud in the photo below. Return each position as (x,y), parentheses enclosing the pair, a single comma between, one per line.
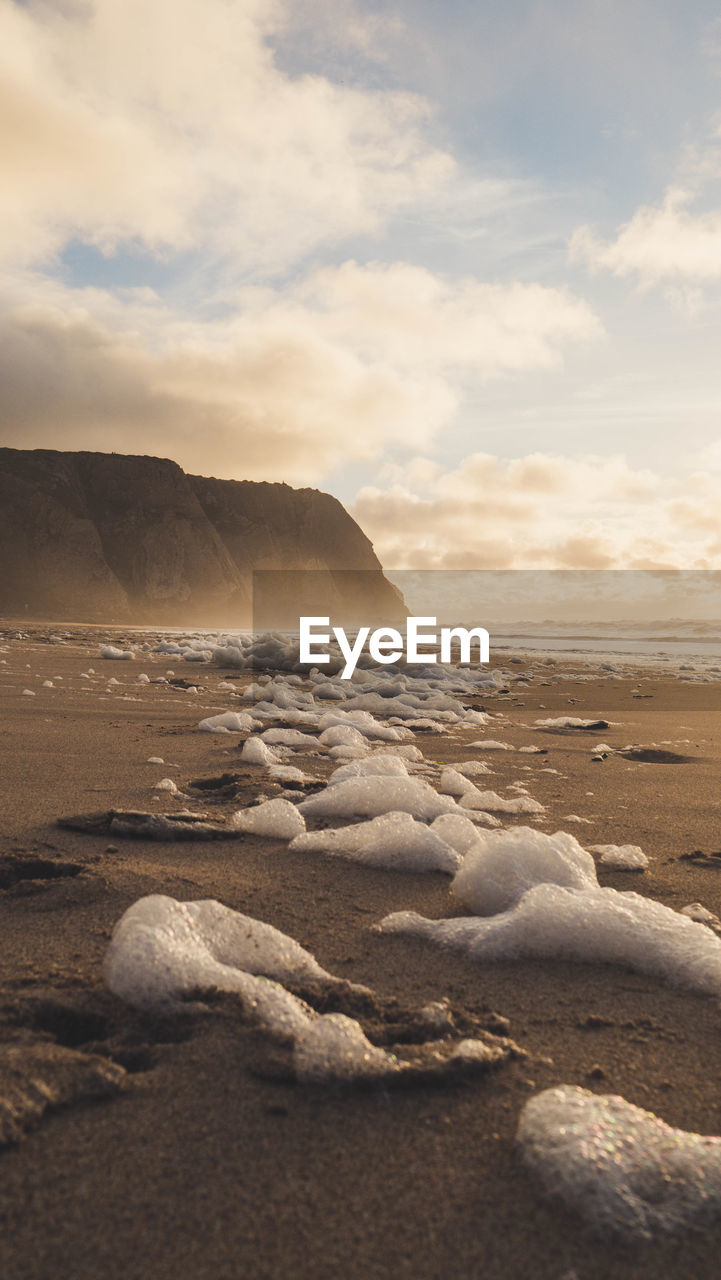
(665,242)
(409,315)
(169,124)
(544,512)
(291,383)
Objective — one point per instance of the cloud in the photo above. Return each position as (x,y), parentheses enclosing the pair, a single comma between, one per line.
(346,363)
(665,242)
(544,512)
(170,124)
(181,132)
(407,314)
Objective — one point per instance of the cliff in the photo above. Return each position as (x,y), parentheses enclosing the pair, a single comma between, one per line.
(107,537)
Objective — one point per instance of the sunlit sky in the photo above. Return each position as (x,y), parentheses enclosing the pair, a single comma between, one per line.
(458,264)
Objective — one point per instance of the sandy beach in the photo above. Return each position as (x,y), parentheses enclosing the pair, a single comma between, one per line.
(204,1159)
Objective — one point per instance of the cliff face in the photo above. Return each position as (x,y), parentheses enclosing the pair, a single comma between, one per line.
(108,537)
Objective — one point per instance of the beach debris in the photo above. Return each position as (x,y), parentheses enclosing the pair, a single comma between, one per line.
(571,722)
(621,1168)
(701,859)
(136,824)
(39,1077)
(222,784)
(655,755)
(621,857)
(395,841)
(502,865)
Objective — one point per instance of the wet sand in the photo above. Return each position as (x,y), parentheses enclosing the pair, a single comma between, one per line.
(202,1166)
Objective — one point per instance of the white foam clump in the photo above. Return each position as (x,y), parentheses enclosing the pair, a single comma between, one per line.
(118,655)
(502,865)
(288,773)
(377,766)
(370,797)
(366,724)
(405,750)
(491,744)
(162,951)
(697,911)
(480,818)
(592,926)
(347,754)
(621,857)
(227,722)
(472,768)
(255,751)
(334,1048)
(277,819)
(622,1168)
(289,738)
(457,830)
(491,802)
(454,783)
(342,735)
(394,841)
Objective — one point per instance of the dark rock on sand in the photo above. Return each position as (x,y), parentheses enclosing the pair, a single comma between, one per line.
(137,825)
(655,755)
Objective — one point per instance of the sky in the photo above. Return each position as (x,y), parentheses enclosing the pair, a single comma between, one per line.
(458,264)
